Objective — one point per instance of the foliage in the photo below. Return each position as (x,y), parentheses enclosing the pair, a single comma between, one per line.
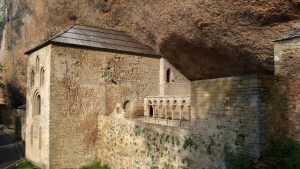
(95,165)
(1,71)
(2,15)
(26,165)
(288,150)
(238,160)
(188,142)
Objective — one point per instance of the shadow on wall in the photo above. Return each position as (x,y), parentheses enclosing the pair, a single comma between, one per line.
(199,61)
(16,98)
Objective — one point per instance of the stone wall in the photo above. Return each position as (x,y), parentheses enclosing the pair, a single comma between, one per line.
(8,116)
(14,119)
(85,83)
(287,68)
(231,112)
(245,111)
(178,84)
(128,79)
(127,143)
(37,121)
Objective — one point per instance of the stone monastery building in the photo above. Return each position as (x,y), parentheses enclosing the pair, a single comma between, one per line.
(101,95)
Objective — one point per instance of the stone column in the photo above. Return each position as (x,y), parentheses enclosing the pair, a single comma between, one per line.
(166,112)
(189,112)
(173,109)
(159,112)
(147,112)
(180,112)
(162,77)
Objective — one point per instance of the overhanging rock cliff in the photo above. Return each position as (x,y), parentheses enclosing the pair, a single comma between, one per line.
(203,39)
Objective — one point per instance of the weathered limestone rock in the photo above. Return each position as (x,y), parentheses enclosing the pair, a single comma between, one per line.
(203,38)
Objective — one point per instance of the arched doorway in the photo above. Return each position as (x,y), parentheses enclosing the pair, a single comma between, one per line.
(151,111)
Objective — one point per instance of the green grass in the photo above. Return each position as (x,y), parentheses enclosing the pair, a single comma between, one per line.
(95,165)
(26,165)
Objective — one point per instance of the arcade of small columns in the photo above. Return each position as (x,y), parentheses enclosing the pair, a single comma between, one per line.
(169,108)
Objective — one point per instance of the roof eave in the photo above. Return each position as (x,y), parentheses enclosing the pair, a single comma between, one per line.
(285,39)
(37,47)
(153,55)
(47,42)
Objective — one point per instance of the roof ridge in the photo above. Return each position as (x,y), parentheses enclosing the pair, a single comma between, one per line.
(101,28)
(142,42)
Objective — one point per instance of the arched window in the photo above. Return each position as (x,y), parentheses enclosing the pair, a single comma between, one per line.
(168,75)
(32,78)
(37,66)
(42,76)
(38,104)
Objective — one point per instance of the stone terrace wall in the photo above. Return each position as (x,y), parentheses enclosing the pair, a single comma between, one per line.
(237,111)
(127,144)
(233,112)
(287,68)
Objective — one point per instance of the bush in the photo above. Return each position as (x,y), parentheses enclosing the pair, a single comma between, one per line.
(188,142)
(95,165)
(288,150)
(26,165)
(239,160)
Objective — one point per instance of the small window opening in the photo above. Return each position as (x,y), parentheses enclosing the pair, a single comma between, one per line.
(38,104)
(42,76)
(37,63)
(32,78)
(168,75)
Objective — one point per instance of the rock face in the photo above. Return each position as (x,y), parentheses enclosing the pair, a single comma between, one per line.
(202,38)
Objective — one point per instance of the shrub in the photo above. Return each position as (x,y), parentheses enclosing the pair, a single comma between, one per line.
(95,165)
(26,165)
(238,160)
(188,142)
(288,150)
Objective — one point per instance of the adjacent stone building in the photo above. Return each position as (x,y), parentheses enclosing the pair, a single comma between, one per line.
(287,68)
(101,95)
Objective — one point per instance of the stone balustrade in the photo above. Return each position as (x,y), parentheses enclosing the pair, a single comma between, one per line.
(167,110)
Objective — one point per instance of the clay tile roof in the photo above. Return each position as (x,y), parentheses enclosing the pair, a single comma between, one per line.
(292,35)
(98,38)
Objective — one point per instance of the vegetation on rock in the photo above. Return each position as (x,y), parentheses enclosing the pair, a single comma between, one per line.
(95,165)
(26,165)
(239,160)
(287,151)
